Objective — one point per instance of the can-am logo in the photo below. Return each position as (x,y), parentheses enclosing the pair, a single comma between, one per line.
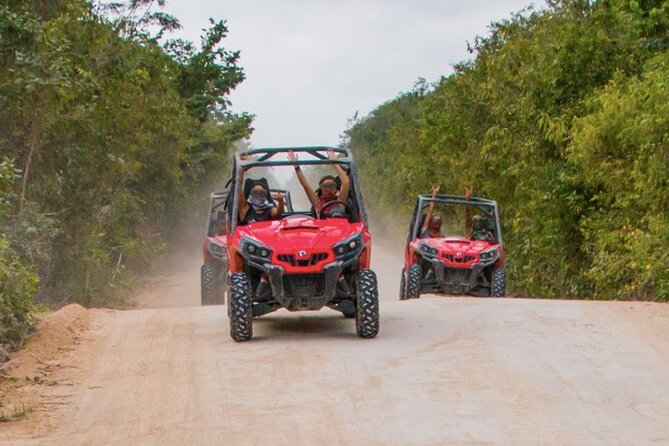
(302,253)
(459,254)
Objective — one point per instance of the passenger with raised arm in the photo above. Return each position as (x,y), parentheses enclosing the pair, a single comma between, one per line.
(327,186)
(432,225)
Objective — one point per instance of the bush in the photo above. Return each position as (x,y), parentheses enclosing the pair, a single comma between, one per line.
(622,149)
(18,285)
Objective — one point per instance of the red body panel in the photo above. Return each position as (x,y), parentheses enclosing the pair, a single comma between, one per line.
(221,240)
(300,237)
(454,252)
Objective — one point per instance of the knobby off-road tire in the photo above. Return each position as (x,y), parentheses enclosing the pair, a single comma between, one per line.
(207,284)
(498,288)
(367,314)
(403,285)
(240,307)
(211,289)
(414,282)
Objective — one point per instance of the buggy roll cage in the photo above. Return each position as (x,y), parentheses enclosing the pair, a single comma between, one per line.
(214,207)
(263,157)
(487,206)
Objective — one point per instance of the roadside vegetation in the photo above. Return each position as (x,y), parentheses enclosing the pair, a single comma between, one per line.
(107,128)
(562,116)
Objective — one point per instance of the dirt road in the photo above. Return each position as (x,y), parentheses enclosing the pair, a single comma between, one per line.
(442,371)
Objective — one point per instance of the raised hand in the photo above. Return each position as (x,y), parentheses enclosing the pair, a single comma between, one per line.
(292,156)
(468,192)
(435,191)
(331,154)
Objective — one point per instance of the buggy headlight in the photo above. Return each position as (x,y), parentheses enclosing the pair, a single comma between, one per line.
(217,251)
(427,249)
(254,250)
(489,256)
(349,248)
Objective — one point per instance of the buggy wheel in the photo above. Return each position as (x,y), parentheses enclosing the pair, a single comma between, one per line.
(367,314)
(498,288)
(414,282)
(209,294)
(403,284)
(240,307)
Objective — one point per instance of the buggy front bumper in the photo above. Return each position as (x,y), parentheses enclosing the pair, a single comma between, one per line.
(304,291)
(455,280)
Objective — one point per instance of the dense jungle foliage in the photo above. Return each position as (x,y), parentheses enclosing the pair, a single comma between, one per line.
(562,116)
(106,130)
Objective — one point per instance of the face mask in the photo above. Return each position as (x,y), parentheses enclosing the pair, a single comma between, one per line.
(477,225)
(259,203)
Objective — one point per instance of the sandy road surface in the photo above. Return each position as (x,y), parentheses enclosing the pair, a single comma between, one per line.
(442,371)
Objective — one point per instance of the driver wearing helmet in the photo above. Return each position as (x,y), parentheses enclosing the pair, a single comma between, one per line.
(479,232)
(475,225)
(327,188)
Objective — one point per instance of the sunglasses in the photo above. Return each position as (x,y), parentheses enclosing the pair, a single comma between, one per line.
(259,193)
(328,186)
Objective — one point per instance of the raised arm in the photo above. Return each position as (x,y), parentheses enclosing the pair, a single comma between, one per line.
(313,198)
(430,210)
(343,176)
(277,211)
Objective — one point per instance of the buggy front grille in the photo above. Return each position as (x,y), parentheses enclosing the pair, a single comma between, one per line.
(313,260)
(454,259)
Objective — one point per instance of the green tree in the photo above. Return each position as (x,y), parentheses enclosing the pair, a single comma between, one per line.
(110,132)
(503,124)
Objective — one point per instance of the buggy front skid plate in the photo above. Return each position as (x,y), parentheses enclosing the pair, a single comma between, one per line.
(301,301)
(447,281)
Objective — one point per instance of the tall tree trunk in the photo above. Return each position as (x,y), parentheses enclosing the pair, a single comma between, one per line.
(35,141)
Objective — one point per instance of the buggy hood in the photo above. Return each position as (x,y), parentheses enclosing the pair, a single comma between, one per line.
(300,233)
(458,245)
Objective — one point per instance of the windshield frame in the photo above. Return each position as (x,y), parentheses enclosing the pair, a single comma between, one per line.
(424,200)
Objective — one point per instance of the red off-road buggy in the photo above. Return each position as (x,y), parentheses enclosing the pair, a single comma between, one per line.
(214,269)
(305,260)
(457,263)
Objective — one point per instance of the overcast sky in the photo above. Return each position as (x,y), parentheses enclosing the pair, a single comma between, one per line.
(310,65)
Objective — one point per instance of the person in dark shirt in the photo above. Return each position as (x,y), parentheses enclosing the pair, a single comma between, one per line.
(256,204)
